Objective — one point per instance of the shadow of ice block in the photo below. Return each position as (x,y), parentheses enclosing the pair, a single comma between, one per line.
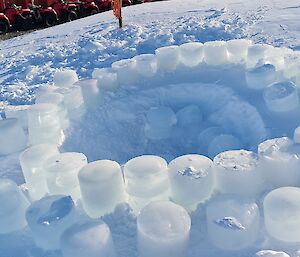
(223,142)
(191,54)
(62,173)
(146,64)
(32,160)
(13,205)
(65,78)
(215,53)
(238,50)
(90,238)
(48,218)
(238,172)
(168,58)
(282,214)
(12,136)
(192,180)
(256,54)
(206,136)
(190,115)
(232,223)
(126,70)
(102,187)
(261,76)
(163,230)
(281,97)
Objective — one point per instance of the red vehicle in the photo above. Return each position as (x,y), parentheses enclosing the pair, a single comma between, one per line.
(105,5)
(86,7)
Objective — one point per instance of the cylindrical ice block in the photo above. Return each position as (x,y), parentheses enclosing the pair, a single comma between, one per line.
(256,54)
(191,54)
(90,238)
(126,71)
(192,180)
(32,161)
(270,253)
(282,214)
(163,230)
(106,79)
(13,205)
(232,223)
(102,187)
(238,173)
(48,218)
(90,92)
(281,97)
(19,112)
(65,78)
(62,173)
(146,180)
(238,50)
(12,136)
(279,160)
(168,58)
(261,76)
(215,53)
(146,64)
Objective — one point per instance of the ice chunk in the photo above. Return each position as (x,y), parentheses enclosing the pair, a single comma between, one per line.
(238,50)
(32,160)
(281,97)
(90,92)
(270,253)
(13,206)
(19,112)
(12,136)
(126,71)
(146,64)
(190,115)
(297,135)
(238,172)
(160,121)
(65,78)
(280,162)
(101,186)
(88,238)
(191,54)
(215,53)
(232,223)
(223,142)
(146,180)
(206,136)
(106,79)
(256,54)
(168,58)
(48,218)
(62,173)
(163,230)
(192,180)
(260,77)
(282,214)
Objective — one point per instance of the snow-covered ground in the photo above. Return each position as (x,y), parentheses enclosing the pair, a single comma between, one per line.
(115,130)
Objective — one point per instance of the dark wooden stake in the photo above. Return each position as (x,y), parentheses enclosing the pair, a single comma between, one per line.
(120,19)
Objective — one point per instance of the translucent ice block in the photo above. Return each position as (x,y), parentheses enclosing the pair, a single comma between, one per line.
(215,53)
(62,173)
(146,64)
(90,238)
(102,187)
(191,54)
(48,218)
(260,77)
(275,56)
(282,214)
(19,112)
(238,50)
(106,79)
(280,162)
(270,253)
(13,206)
(146,178)
(232,223)
(256,54)
(168,58)
(126,71)
(281,97)
(191,179)
(238,172)
(65,78)
(90,92)
(32,160)
(12,136)
(163,230)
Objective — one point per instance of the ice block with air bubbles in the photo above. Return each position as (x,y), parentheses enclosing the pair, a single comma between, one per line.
(232,223)
(282,214)
(168,58)
(261,76)
(215,53)
(13,205)
(146,180)
(191,179)
(32,161)
(279,160)
(146,64)
(163,230)
(191,54)
(126,70)
(102,187)
(12,136)
(65,78)
(48,218)
(238,172)
(62,173)
(238,50)
(90,238)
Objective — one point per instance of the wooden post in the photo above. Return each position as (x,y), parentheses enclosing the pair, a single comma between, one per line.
(120,18)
